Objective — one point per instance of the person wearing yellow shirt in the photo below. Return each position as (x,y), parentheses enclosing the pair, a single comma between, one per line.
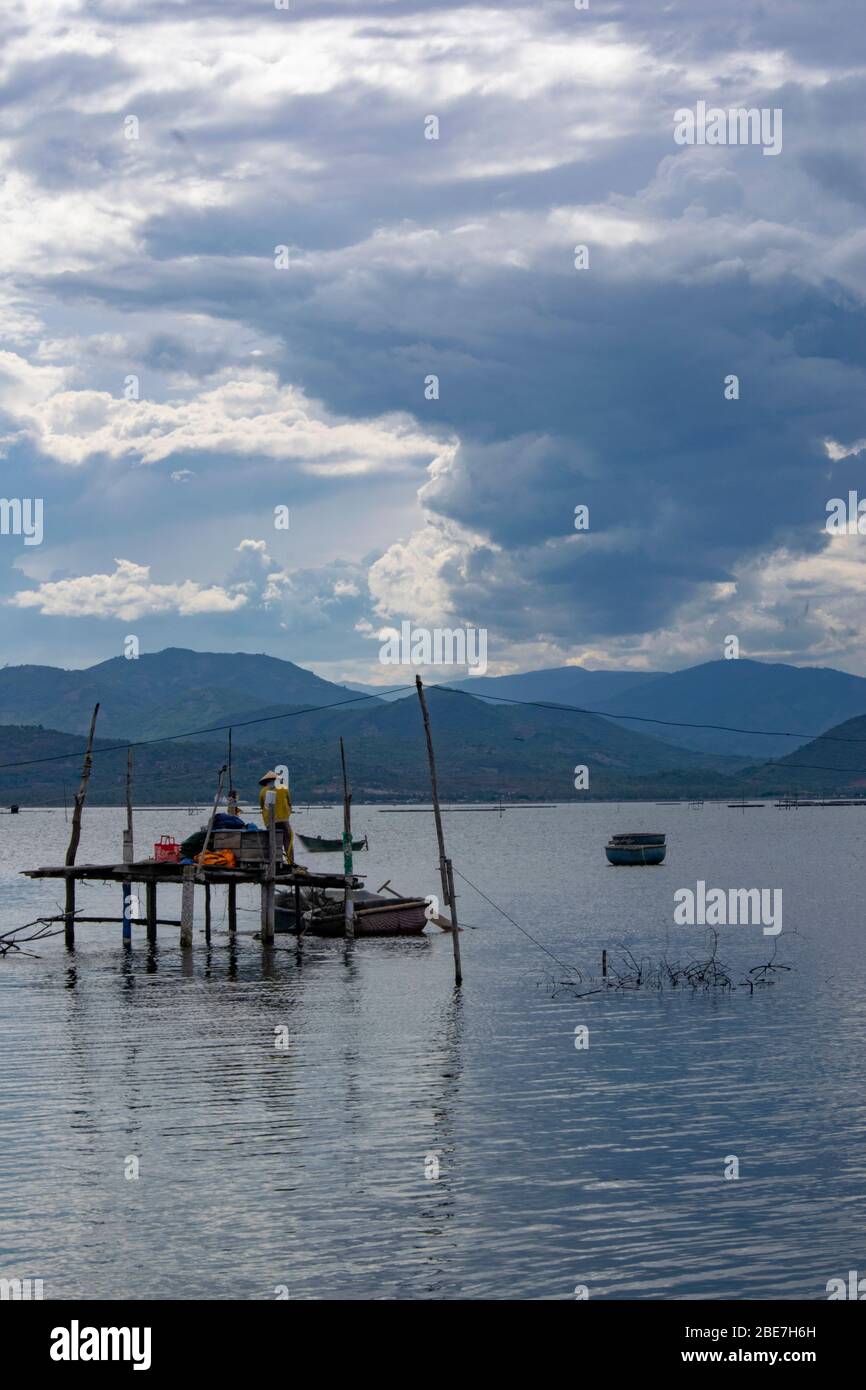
(282,812)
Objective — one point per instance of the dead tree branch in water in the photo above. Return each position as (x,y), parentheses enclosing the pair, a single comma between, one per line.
(11,940)
(705,974)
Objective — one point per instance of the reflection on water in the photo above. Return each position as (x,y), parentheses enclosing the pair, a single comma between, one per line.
(308,1166)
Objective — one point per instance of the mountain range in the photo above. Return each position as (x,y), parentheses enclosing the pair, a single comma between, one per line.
(741,694)
(282,713)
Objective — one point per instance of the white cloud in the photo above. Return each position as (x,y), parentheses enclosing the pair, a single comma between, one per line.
(419,577)
(248,412)
(259,548)
(837,451)
(128,593)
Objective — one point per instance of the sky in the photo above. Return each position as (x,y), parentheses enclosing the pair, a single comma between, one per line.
(234,257)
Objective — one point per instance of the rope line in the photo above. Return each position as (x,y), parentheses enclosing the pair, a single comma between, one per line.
(539,944)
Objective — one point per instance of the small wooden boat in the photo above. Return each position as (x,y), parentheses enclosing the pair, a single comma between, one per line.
(375,915)
(636,848)
(316,844)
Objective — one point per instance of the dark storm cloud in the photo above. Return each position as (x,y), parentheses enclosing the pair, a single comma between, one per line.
(454,257)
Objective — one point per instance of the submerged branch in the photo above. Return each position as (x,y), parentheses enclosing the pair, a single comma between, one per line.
(11,940)
(647,973)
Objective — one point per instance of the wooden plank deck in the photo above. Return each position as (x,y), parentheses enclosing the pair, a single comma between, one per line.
(152,871)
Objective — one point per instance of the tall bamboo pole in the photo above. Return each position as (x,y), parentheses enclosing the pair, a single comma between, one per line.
(75,837)
(128,851)
(348,862)
(129,802)
(232,798)
(446,879)
(267,921)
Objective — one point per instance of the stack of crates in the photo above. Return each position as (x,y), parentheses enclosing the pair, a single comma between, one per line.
(250,846)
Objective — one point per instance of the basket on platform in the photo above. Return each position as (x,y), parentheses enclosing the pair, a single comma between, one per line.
(166,850)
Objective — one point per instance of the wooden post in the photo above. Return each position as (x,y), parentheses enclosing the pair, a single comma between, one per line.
(444,875)
(128,914)
(347,816)
(150,899)
(75,837)
(128,837)
(207,912)
(128,851)
(69,913)
(232,798)
(187,908)
(233,907)
(348,864)
(455,925)
(267,930)
(604,965)
(349,913)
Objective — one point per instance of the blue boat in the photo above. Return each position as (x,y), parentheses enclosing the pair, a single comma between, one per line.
(636,849)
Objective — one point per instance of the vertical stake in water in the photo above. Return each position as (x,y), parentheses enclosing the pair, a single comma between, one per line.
(348,862)
(232,798)
(150,900)
(128,852)
(232,907)
(74,838)
(445,873)
(187,905)
(267,926)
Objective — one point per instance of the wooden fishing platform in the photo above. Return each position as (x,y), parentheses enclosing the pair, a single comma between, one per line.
(265,866)
(152,873)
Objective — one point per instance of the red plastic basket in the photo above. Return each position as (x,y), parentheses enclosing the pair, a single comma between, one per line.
(167,850)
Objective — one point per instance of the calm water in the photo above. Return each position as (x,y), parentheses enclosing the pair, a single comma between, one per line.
(306,1167)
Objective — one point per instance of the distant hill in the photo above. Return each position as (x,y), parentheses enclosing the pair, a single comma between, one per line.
(547,735)
(159,693)
(563,685)
(483,752)
(832,765)
(745,694)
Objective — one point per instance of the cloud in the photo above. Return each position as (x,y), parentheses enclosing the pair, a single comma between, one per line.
(837,452)
(248,413)
(258,548)
(452,257)
(128,593)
